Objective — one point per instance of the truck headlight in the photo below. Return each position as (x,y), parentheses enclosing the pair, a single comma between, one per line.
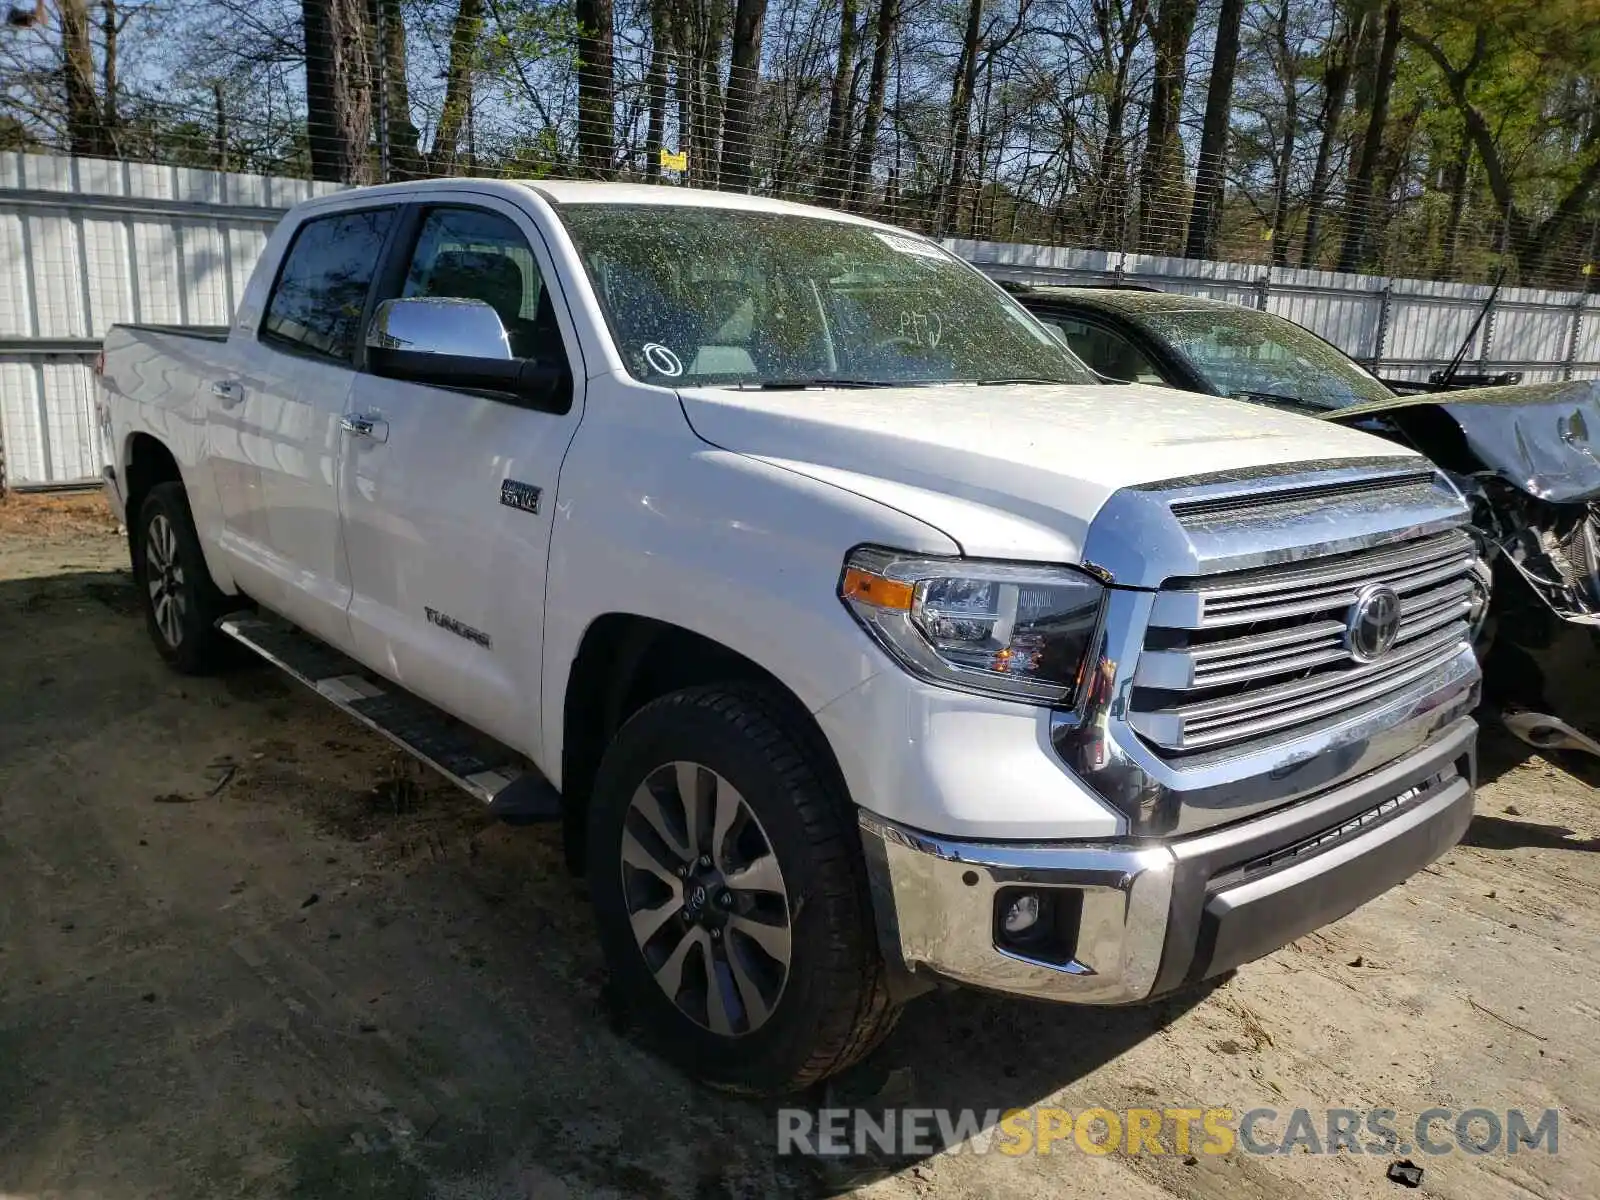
(1003,629)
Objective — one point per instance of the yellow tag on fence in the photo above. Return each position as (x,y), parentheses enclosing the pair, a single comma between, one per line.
(678,161)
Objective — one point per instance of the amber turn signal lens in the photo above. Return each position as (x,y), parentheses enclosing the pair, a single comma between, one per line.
(876,590)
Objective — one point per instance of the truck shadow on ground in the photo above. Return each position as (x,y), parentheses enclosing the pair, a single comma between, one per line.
(385,993)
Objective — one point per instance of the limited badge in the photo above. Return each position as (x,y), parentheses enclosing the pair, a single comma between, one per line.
(516,494)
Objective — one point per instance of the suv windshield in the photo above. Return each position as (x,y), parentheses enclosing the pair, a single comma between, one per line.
(1258,356)
(717,297)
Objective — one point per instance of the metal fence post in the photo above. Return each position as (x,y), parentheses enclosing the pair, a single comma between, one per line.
(383,91)
(1486,338)
(1263,287)
(1571,360)
(1381,336)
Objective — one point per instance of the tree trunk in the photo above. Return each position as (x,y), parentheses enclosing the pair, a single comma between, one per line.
(1458,203)
(465,34)
(1358,204)
(883,46)
(961,116)
(1206,213)
(841,103)
(710,102)
(595,87)
(110,27)
(683,80)
(1110,186)
(1335,89)
(1289,76)
(85,121)
(1163,164)
(404,160)
(220,130)
(656,82)
(744,77)
(338,89)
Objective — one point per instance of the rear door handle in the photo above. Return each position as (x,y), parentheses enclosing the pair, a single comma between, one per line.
(365,425)
(227,391)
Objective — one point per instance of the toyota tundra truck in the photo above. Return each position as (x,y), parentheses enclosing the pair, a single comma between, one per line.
(859,639)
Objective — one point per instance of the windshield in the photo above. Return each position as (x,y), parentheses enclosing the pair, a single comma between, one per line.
(1258,356)
(717,297)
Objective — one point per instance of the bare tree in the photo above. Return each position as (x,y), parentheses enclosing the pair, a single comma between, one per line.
(1162,166)
(656,86)
(1338,60)
(743,82)
(596,84)
(85,128)
(867,148)
(841,106)
(1359,197)
(1118,31)
(966,79)
(465,33)
(1209,177)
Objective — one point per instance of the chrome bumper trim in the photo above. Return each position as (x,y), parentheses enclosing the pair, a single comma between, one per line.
(1160,914)
(935,899)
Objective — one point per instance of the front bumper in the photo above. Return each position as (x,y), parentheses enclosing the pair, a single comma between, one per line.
(1150,916)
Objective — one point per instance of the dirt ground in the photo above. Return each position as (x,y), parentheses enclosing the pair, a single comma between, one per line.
(247,950)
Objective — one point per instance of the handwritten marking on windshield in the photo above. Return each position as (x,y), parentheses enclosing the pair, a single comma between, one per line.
(921,329)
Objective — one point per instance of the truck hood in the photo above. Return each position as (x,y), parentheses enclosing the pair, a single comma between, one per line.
(1011,471)
(1542,437)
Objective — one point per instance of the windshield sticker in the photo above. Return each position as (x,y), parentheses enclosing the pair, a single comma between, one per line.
(664,361)
(909,245)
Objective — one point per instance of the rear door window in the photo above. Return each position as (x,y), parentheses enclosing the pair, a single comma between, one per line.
(321,290)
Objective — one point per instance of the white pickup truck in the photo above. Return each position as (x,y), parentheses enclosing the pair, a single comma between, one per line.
(860,639)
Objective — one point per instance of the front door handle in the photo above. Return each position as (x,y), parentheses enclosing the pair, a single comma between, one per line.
(365,425)
(227,391)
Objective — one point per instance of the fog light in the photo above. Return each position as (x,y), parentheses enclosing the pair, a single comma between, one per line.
(1022,914)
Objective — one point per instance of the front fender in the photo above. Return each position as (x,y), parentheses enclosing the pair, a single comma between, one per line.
(652,521)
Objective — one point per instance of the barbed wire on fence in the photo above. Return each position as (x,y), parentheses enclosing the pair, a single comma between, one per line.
(1025,161)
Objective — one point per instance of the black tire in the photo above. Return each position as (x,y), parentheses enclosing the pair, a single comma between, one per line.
(833,1006)
(181,602)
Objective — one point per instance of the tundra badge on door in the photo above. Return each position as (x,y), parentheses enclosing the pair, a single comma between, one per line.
(516,494)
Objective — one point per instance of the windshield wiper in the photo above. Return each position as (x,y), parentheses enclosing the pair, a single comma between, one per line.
(1023,379)
(1278,398)
(792,385)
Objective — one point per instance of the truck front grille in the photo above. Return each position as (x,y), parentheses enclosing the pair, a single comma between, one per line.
(1232,658)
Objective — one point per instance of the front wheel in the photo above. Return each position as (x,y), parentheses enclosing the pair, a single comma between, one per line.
(730,895)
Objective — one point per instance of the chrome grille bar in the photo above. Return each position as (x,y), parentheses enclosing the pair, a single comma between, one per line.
(1207,723)
(1247,655)
(1278,593)
(1298,647)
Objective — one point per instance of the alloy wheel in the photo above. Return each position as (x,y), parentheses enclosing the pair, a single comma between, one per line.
(164,576)
(706,899)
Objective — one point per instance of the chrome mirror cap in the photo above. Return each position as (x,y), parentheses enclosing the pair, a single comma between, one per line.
(440,325)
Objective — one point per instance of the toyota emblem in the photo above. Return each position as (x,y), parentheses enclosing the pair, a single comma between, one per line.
(1373,624)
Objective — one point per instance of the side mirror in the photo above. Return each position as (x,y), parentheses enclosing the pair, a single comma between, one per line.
(450,342)
(439,325)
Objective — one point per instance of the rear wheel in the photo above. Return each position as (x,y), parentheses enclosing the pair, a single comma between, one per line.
(730,895)
(181,602)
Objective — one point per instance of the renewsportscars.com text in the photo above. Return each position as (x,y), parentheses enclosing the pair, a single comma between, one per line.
(844,1132)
